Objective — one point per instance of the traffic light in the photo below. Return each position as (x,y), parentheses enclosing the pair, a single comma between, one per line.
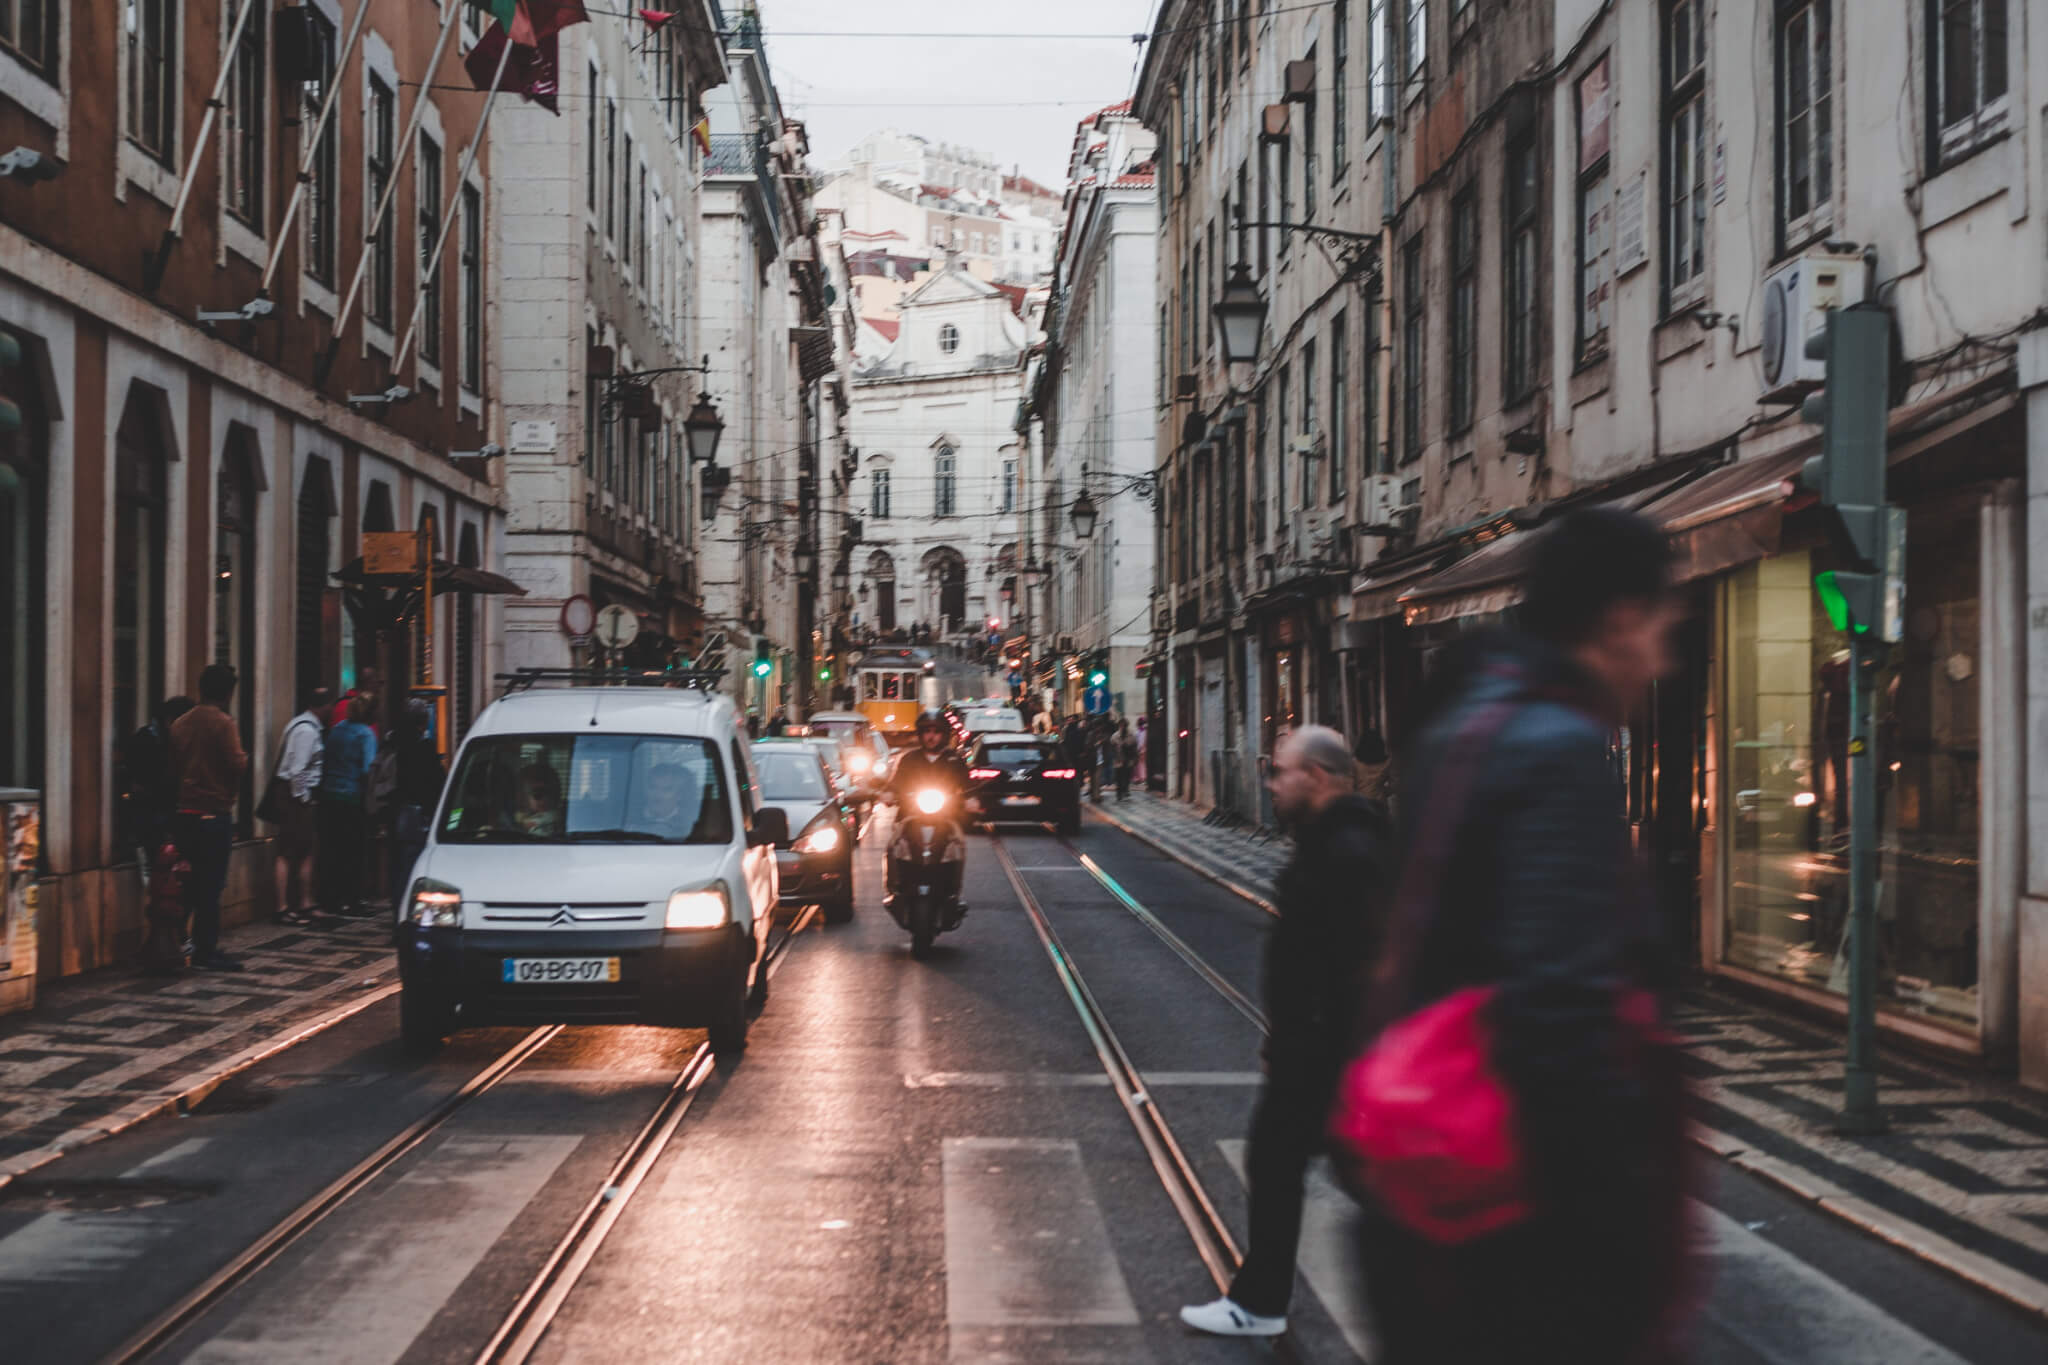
(1849,473)
(10,359)
(1098,670)
(764,664)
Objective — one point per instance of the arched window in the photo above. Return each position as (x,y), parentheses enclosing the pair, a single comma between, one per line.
(943,470)
(882,569)
(141,484)
(234,585)
(878,501)
(315,514)
(24,485)
(949,338)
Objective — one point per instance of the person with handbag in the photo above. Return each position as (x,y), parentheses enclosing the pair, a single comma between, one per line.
(1331,917)
(1515,1123)
(290,802)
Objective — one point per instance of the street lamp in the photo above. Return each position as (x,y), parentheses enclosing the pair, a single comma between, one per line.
(806,560)
(703,427)
(1083,515)
(1241,316)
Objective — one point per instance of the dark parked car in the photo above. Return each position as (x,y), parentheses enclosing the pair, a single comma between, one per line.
(1024,779)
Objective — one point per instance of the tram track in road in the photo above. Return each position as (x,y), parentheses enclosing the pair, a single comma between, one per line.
(527,1322)
(1205,1225)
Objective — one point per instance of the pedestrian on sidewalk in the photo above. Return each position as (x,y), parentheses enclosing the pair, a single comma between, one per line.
(1518,877)
(1329,929)
(1126,760)
(344,792)
(421,775)
(206,751)
(148,782)
(1144,746)
(293,799)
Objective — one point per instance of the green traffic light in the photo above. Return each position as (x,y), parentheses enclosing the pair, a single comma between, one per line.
(1835,604)
(1098,679)
(762,668)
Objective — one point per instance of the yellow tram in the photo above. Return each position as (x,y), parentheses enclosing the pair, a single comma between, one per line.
(892,683)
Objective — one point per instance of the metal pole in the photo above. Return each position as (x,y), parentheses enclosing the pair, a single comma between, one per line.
(291,209)
(213,105)
(1860,1113)
(449,9)
(433,269)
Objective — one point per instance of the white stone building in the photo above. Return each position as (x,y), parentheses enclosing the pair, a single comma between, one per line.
(938,485)
(1094,398)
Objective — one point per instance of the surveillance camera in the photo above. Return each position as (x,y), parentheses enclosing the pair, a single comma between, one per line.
(26,163)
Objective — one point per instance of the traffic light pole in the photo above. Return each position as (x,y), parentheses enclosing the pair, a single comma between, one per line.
(1860,1113)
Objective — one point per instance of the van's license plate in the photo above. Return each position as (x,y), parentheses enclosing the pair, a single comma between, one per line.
(549,971)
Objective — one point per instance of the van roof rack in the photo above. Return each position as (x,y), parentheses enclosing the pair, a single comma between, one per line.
(697,679)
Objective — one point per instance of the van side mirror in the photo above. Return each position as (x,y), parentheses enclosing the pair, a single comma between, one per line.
(771,826)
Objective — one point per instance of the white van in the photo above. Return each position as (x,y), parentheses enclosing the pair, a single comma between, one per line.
(600,855)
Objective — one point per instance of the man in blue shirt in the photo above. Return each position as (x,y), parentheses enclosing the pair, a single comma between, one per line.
(344,820)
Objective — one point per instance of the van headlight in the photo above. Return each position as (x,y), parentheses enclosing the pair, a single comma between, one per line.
(706,907)
(434,905)
(821,837)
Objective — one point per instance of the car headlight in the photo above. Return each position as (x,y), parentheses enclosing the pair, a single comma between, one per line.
(930,801)
(434,904)
(859,764)
(819,838)
(706,907)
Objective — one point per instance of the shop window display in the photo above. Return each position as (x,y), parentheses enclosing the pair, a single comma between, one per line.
(1788,725)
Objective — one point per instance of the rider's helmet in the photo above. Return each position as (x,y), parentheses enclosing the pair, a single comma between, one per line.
(931,720)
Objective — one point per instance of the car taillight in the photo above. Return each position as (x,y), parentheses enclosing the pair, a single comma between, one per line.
(985,774)
(1058,772)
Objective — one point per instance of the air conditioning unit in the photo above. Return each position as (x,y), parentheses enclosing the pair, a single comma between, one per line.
(1797,296)
(1063,644)
(1384,505)
(1301,81)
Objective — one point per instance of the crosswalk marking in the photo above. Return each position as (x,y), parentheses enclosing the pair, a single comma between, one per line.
(1030,1272)
(1030,1080)
(364,1296)
(85,1244)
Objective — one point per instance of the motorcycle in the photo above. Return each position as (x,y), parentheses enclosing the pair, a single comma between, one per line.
(927,859)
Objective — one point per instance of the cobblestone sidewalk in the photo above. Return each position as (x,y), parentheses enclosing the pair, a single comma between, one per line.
(1960,1180)
(104,1051)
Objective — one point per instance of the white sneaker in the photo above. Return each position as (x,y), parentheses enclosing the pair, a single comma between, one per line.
(1224,1318)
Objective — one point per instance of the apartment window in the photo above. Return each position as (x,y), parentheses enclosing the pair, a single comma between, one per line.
(1286,191)
(430,233)
(1264,435)
(1008,496)
(1685,151)
(28,30)
(1805,122)
(591,383)
(323,183)
(1519,270)
(1411,350)
(1284,434)
(878,501)
(628,204)
(1244,204)
(949,338)
(1379,101)
(141,568)
(1186,332)
(152,37)
(1464,307)
(1417,28)
(1204,324)
(1265,208)
(1595,213)
(242,129)
(1244,32)
(1966,74)
(590,138)
(380,148)
(1165,359)
(646,202)
(1375,460)
(1311,404)
(1340,402)
(943,502)
(472,289)
(1308,150)
(611,168)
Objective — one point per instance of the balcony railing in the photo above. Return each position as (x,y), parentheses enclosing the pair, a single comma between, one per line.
(744,154)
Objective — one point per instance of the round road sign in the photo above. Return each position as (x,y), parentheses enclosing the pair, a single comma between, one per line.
(617,626)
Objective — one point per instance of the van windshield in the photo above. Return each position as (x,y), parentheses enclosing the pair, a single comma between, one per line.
(587,789)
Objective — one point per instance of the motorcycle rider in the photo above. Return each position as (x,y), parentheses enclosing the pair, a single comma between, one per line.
(931,764)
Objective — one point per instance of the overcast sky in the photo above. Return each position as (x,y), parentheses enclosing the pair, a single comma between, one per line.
(1015,99)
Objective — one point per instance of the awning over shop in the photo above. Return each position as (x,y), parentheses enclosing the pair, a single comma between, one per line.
(1487,580)
(447,578)
(1730,517)
(1380,594)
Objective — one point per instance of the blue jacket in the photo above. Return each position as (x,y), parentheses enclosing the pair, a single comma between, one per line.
(351,749)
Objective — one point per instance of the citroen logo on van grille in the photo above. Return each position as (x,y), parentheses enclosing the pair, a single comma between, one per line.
(563,916)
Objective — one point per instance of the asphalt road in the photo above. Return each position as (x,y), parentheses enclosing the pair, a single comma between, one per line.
(914,1162)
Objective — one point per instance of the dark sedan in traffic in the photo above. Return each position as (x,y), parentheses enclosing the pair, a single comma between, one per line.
(1024,779)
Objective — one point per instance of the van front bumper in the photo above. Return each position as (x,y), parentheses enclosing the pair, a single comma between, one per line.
(667,978)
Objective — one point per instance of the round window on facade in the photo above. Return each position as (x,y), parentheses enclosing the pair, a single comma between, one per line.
(949,338)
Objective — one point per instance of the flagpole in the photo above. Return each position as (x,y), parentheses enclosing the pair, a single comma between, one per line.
(449,10)
(433,266)
(213,106)
(291,209)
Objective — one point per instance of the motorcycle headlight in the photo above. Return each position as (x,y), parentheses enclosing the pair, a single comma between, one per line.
(819,838)
(707,907)
(930,801)
(434,904)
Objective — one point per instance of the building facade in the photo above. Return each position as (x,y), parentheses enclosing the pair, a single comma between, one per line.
(1601,234)
(1094,398)
(598,306)
(182,492)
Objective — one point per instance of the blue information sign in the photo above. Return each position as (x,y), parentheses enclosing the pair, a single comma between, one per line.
(1096,701)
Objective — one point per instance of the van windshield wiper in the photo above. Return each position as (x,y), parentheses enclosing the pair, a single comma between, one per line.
(499,835)
(617,836)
